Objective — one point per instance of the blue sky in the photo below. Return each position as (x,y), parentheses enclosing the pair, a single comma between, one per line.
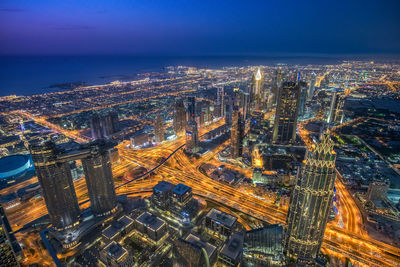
(205,27)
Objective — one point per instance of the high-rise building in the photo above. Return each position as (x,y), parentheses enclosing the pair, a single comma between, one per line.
(104,126)
(335,114)
(8,244)
(228,102)
(311,88)
(192,137)
(303,99)
(57,187)
(95,127)
(377,191)
(191,107)
(99,181)
(286,114)
(159,129)
(220,99)
(237,133)
(179,118)
(257,92)
(110,124)
(310,202)
(276,84)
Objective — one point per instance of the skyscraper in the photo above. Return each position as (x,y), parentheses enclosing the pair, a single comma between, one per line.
(110,124)
(303,98)
(286,114)
(95,127)
(99,181)
(237,135)
(335,114)
(57,187)
(311,88)
(159,129)
(276,84)
(310,202)
(220,99)
(191,107)
(256,94)
(8,243)
(192,137)
(179,117)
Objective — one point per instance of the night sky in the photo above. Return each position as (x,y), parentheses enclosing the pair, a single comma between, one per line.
(199,27)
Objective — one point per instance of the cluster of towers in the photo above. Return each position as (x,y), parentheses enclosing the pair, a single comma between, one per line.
(53,169)
(104,126)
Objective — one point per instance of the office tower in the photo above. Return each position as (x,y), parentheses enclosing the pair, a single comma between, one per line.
(286,114)
(159,129)
(191,107)
(161,196)
(311,88)
(99,181)
(310,202)
(57,187)
(9,246)
(193,252)
(276,84)
(220,99)
(246,97)
(228,102)
(232,251)
(335,114)
(95,127)
(110,124)
(179,117)
(237,134)
(192,137)
(303,99)
(257,91)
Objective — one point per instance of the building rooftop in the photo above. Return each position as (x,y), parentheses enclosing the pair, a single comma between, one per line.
(233,247)
(163,186)
(151,221)
(115,251)
(117,226)
(181,189)
(210,249)
(221,217)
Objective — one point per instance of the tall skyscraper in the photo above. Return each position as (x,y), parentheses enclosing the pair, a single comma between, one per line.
(104,126)
(276,84)
(95,127)
(57,187)
(192,137)
(286,114)
(335,114)
(228,102)
(257,91)
(99,181)
(179,118)
(303,98)
(191,107)
(311,88)
(237,135)
(159,129)
(220,99)
(310,202)
(8,243)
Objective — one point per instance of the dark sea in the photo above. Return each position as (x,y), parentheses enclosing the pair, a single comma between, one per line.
(28,75)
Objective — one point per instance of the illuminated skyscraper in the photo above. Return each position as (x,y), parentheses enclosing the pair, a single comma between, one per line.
(191,107)
(8,243)
(303,98)
(95,127)
(179,117)
(276,84)
(159,129)
(99,180)
(110,124)
(192,137)
(336,108)
(57,187)
(257,92)
(310,202)
(286,114)
(237,135)
(220,99)
(311,88)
